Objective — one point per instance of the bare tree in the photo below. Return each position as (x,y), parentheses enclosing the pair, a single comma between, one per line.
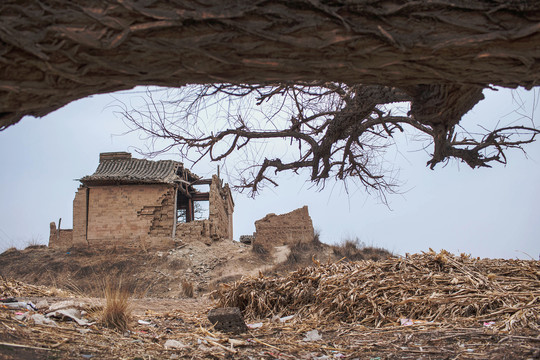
(56,51)
(332,129)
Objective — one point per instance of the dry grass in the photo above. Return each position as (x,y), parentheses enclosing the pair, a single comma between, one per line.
(260,250)
(83,270)
(429,287)
(355,250)
(14,288)
(116,312)
(187,288)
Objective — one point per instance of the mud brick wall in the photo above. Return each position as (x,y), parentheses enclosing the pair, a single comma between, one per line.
(79,217)
(219,223)
(201,230)
(220,208)
(60,239)
(129,215)
(290,228)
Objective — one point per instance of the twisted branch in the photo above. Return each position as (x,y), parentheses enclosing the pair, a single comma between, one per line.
(339,130)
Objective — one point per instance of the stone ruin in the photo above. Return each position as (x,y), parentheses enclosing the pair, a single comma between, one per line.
(137,203)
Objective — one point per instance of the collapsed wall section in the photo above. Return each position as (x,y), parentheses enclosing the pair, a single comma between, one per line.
(293,227)
(60,238)
(219,223)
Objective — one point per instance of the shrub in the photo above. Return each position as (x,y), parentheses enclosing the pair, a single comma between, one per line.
(354,250)
(260,250)
(187,288)
(117,310)
(317,238)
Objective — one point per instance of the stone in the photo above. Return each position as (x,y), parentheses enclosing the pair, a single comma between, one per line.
(227,319)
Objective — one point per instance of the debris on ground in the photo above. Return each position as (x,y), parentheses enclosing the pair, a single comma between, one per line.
(312,335)
(179,329)
(433,287)
(14,288)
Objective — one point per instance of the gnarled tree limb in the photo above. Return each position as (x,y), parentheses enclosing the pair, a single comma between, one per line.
(56,51)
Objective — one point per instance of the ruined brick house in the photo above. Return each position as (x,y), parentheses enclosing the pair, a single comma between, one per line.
(139,203)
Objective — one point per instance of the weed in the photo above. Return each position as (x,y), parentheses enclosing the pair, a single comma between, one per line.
(260,250)
(187,288)
(117,310)
(354,250)
(317,238)
(35,242)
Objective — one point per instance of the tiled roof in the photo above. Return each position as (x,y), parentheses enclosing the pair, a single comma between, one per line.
(138,171)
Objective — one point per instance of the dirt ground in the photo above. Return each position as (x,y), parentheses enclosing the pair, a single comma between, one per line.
(185,322)
(166,324)
(153,273)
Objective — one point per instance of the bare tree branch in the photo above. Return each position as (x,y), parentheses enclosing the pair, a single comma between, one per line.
(340,131)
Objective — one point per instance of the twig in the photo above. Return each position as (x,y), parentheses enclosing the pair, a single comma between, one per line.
(23,346)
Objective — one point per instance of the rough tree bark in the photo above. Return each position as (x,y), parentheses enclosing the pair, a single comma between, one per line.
(55,51)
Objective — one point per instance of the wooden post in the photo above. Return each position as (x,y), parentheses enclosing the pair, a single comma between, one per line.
(58,229)
(175,212)
(189,212)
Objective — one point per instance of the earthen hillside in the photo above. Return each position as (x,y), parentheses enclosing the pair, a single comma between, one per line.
(161,273)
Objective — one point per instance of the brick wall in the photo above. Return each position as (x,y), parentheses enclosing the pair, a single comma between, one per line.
(219,223)
(60,239)
(79,217)
(130,215)
(141,216)
(276,230)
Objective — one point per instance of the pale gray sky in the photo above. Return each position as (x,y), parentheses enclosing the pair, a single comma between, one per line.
(485,212)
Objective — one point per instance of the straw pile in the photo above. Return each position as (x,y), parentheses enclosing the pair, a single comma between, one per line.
(14,288)
(442,288)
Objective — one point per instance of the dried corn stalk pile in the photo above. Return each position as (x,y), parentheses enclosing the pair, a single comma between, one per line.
(429,286)
(10,287)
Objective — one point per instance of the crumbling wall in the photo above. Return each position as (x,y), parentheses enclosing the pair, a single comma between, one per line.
(220,209)
(79,217)
(130,216)
(60,238)
(219,223)
(162,215)
(275,230)
(201,230)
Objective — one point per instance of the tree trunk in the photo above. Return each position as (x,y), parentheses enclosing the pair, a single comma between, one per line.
(57,51)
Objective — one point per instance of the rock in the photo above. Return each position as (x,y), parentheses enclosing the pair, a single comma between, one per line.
(228,319)
(42,304)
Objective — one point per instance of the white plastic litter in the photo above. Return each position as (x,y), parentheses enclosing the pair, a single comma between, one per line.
(312,335)
(174,344)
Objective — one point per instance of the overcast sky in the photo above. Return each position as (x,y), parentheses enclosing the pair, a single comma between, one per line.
(485,212)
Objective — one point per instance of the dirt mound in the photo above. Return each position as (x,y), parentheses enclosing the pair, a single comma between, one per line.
(429,287)
(159,274)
